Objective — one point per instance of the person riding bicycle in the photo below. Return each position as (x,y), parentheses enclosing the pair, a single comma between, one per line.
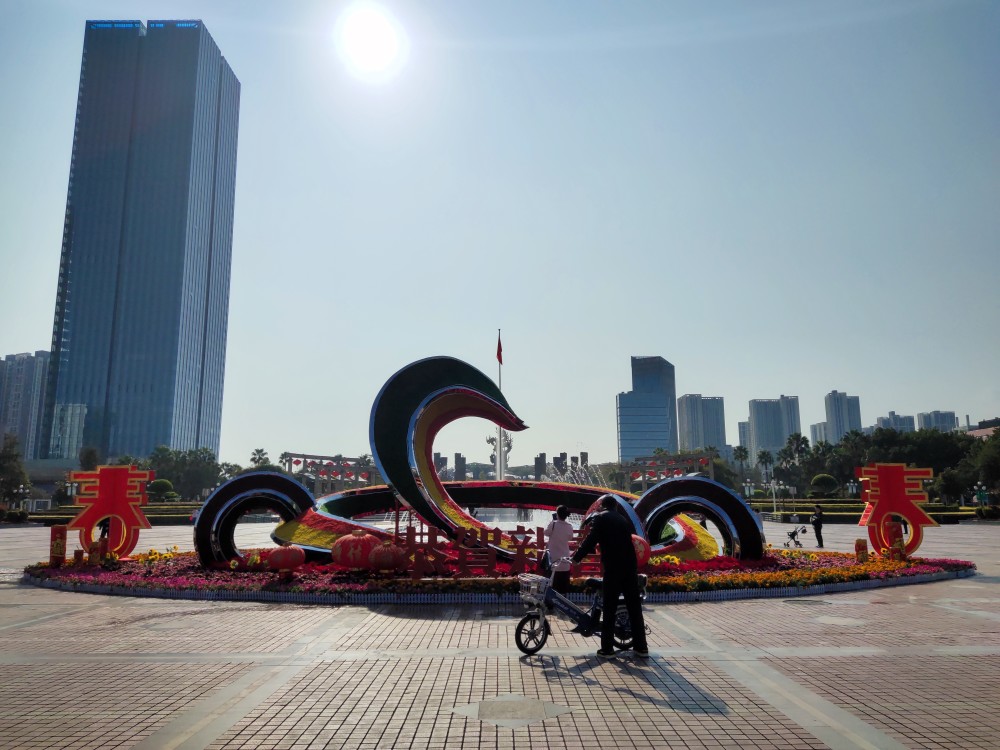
(612,532)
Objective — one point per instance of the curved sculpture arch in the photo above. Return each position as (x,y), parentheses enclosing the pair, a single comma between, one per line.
(409,411)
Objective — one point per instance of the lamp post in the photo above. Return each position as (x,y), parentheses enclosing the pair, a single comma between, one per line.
(21,493)
(852,488)
(774,496)
(748,490)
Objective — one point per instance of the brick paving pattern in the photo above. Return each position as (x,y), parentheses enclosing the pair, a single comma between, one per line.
(902,667)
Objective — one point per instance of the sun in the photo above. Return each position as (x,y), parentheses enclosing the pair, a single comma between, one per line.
(371,42)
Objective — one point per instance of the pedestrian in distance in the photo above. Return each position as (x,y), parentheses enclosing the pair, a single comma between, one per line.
(817,523)
(612,532)
(558,535)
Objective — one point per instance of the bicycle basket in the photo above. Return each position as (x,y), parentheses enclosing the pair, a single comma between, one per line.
(533,585)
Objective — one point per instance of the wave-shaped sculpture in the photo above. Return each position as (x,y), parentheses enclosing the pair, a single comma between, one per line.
(409,411)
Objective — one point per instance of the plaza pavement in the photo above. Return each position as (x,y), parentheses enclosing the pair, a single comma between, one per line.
(902,667)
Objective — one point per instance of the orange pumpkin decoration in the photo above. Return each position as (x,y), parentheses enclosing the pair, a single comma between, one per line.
(286,559)
(387,556)
(352,550)
(642,550)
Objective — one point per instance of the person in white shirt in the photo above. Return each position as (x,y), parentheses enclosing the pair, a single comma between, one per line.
(558,535)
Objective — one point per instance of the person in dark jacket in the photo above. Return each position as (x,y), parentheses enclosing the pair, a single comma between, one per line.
(817,524)
(612,532)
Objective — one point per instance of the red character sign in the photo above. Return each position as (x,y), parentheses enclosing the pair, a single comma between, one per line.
(894,490)
(115,493)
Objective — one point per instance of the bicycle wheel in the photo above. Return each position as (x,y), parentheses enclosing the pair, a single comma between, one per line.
(531,633)
(623,628)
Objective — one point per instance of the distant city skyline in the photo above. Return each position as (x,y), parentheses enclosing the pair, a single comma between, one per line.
(731,186)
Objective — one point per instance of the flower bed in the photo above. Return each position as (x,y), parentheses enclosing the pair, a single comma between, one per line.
(786,573)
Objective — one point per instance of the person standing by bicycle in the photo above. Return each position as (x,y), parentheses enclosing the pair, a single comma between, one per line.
(612,532)
(558,535)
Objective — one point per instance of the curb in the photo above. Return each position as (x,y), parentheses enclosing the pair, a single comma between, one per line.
(675,597)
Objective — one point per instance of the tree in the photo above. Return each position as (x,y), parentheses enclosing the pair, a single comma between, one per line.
(823,485)
(259,457)
(765,459)
(12,473)
(228,470)
(742,455)
(89,458)
(158,489)
(987,461)
(798,445)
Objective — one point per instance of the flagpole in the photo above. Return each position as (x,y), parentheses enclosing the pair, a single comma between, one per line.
(500,466)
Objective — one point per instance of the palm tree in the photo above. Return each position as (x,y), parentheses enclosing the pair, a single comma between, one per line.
(798,445)
(259,457)
(742,455)
(765,459)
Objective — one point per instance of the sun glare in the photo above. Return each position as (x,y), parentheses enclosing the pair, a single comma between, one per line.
(371,42)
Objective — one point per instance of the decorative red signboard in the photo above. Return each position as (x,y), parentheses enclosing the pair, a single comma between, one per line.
(117,494)
(893,492)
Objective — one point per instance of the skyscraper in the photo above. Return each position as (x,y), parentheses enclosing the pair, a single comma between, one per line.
(22,398)
(944,421)
(139,336)
(647,415)
(843,414)
(701,422)
(771,422)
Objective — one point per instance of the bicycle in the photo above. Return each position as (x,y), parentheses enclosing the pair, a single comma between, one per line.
(533,630)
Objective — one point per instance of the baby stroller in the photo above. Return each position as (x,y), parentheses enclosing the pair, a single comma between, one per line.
(793,536)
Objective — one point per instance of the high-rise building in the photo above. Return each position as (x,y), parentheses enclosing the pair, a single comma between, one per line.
(22,399)
(817,433)
(647,415)
(701,422)
(772,420)
(944,421)
(843,415)
(896,422)
(139,336)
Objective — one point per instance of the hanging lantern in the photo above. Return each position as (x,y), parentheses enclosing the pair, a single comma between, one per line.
(636,474)
(387,556)
(677,472)
(352,550)
(364,475)
(287,559)
(642,549)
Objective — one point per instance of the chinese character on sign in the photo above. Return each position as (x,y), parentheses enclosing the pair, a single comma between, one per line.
(115,493)
(893,493)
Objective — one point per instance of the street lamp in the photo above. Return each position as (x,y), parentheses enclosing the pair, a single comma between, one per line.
(747,489)
(21,493)
(852,488)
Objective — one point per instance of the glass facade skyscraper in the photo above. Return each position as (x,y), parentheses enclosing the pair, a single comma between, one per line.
(139,335)
(701,422)
(647,415)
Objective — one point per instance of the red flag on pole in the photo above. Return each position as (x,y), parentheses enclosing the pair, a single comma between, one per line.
(499,349)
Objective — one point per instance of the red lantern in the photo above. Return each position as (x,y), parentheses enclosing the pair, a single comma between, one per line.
(636,474)
(642,549)
(387,556)
(286,559)
(352,550)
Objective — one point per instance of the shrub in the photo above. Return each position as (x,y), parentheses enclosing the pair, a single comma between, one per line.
(823,485)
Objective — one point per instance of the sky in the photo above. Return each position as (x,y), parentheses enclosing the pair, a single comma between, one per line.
(779,198)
